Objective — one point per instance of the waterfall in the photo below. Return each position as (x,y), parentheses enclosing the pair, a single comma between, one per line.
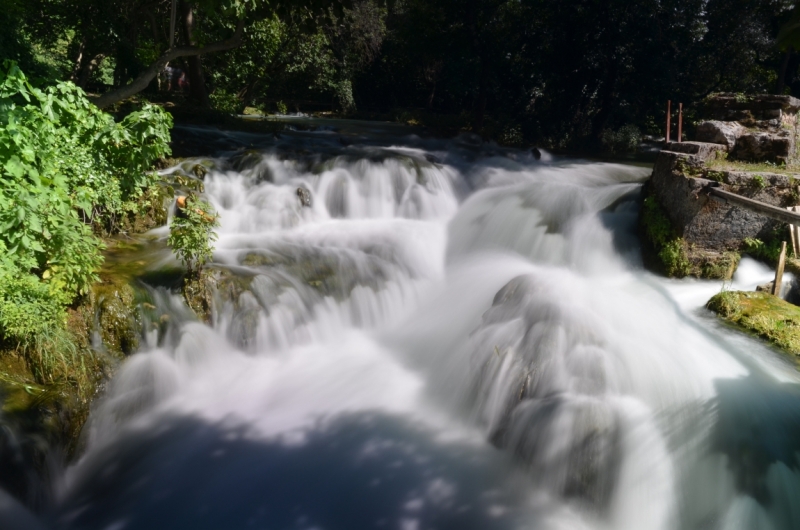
(449,335)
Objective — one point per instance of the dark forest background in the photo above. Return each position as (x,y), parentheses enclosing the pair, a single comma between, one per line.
(561,73)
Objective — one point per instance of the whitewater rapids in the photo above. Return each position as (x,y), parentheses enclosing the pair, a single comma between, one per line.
(452,335)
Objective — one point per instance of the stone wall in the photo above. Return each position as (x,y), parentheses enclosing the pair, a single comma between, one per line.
(678,182)
(707,235)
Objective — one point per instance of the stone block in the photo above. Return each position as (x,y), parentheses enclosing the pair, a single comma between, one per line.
(699,151)
(739,107)
(720,132)
(765,146)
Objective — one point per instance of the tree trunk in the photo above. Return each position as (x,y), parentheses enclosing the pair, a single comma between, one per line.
(248,92)
(607,90)
(480,105)
(141,82)
(782,72)
(88,69)
(76,70)
(197,81)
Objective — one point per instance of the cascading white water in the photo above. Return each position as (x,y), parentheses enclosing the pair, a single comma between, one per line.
(446,338)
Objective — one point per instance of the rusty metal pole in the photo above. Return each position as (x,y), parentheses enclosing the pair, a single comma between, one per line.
(680,122)
(669,111)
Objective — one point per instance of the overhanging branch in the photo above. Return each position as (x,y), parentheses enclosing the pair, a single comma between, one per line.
(141,82)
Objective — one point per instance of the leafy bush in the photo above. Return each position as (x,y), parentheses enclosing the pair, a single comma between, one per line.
(767,251)
(623,140)
(192,233)
(224,101)
(66,166)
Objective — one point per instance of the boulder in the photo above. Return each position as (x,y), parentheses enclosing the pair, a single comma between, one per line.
(305,196)
(740,107)
(765,146)
(720,132)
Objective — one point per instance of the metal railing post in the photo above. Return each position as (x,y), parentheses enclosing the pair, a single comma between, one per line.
(669,111)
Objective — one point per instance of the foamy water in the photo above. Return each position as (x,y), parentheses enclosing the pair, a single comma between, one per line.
(451,336)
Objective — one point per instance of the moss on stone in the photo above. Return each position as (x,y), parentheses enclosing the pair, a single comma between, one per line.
(198,290)
(762,314)
(114,311)
(671,255)
(713,265)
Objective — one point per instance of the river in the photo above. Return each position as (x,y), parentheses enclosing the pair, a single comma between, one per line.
(453,335)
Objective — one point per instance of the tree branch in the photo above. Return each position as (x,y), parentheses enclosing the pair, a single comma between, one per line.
(141,82)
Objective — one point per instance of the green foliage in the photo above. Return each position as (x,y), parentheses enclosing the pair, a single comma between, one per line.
(225,101)
(65,162)
(65,165)
(767,251)
(670,248)
(656,223)
(28,306)
(192,232)
(673,256)
(302,56)
(623,140)
(758,182)
(512,136)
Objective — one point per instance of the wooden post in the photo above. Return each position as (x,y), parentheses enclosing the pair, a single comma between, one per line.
(669,111)
(776,286)
(680,122)
(794,233)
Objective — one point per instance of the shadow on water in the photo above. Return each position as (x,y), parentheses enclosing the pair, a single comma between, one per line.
(758,426)
(358,471)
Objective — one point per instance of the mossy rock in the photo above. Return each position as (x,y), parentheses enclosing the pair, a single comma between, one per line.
(665,252)
(113,311)
(712,265)
(327,273)
(198,291)
(50,410)
(764,315)
(151,211)
(166,163)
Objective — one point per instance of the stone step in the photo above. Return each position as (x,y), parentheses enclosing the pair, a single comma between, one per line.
(701,151)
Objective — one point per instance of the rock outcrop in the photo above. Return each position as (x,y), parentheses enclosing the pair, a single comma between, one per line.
(747,107)
(759,128)
(688,231)
(720,132)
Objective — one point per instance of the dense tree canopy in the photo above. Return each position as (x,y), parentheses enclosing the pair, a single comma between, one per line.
(553,71)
